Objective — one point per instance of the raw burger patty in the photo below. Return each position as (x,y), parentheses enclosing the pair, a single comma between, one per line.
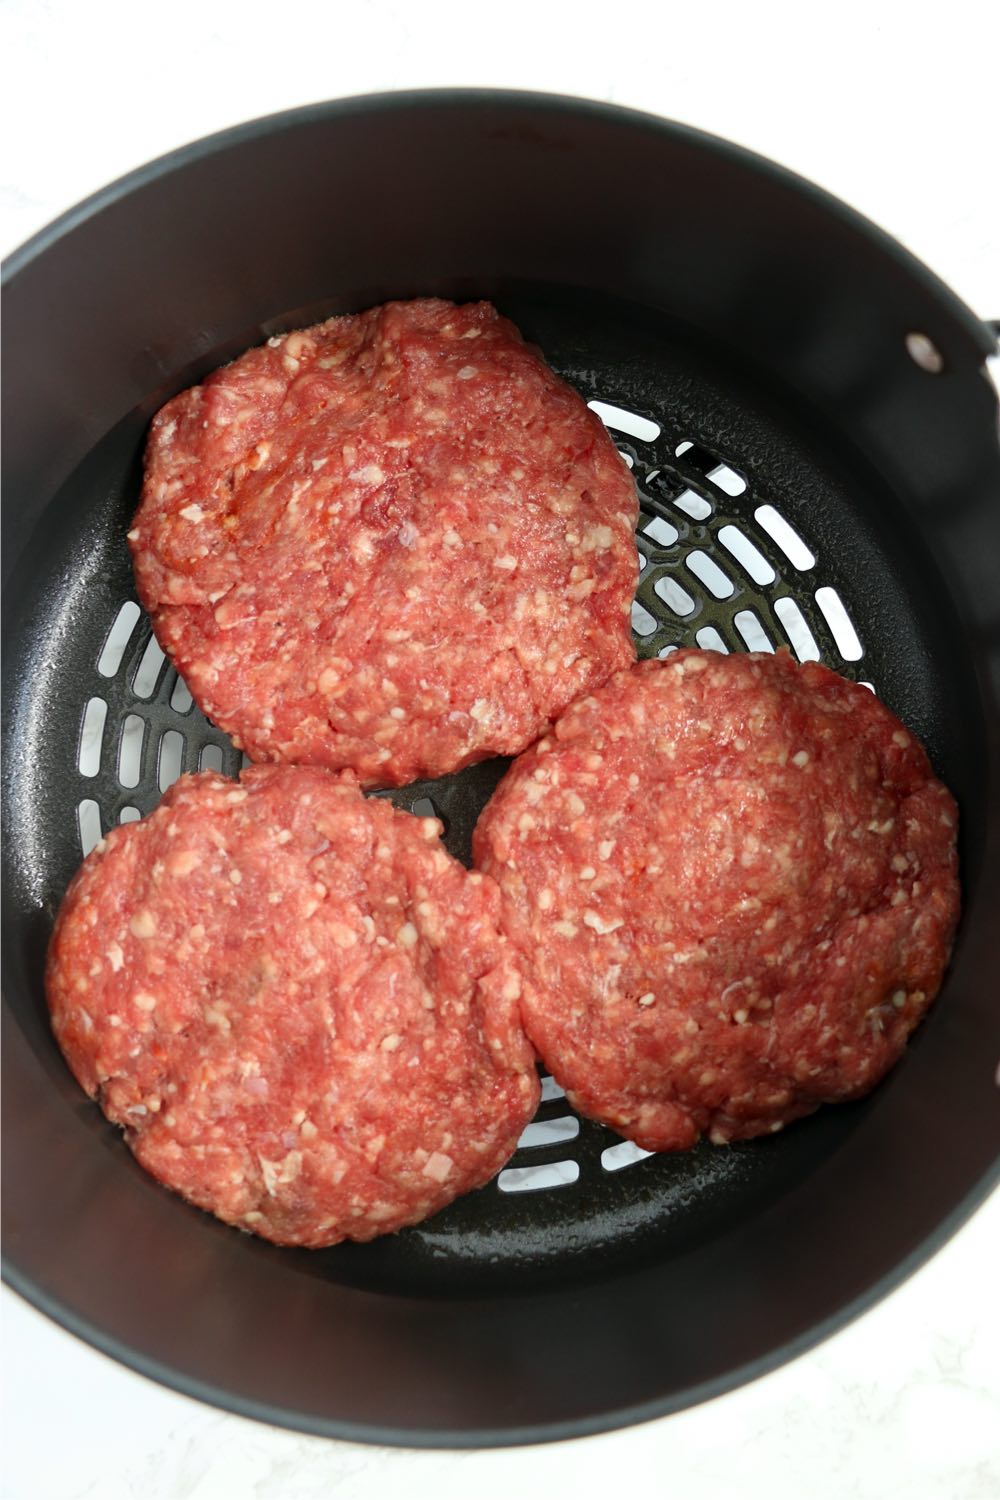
(296,1003)
(394,541)
(732,881)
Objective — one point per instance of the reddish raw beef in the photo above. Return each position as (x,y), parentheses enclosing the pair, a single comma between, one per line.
(297,1005)
(732,883)
(394,541)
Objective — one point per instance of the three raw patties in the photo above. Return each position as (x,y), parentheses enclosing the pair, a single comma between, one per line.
(394,543)
(714,893)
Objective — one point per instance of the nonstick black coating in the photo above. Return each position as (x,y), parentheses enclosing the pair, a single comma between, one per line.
(760,328)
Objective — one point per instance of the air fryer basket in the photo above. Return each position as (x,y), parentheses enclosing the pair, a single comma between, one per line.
(808,477)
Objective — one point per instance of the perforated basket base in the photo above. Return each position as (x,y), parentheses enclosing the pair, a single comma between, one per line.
(752,537)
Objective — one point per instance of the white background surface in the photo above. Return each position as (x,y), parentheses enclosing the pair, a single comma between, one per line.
(895,114)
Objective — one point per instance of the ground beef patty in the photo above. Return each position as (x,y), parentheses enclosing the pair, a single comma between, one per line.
(296,1003)
(733,884)
(394,541)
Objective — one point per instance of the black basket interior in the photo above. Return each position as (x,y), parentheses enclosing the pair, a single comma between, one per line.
(753,535)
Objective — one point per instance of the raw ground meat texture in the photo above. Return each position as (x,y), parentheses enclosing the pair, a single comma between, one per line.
(732,882)
(297,1005)
(395,541)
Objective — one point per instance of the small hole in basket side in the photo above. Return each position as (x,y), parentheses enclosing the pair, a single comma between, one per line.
(92,736)
(533,1179)
(129,815)
(210,758)
(925,353)
(552,1090)
(118,638)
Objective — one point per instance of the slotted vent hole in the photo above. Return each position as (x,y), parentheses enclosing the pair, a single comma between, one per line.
(709,639)
(148,670)
(130,750)
(180,697)
(533,1179)
(88,817)
(92,736)
(549,1132)
(643,623)
(749,557)
(552,1090)
(785,536)
(171,758)
(423,808)
(727,479)
(629,422)
(210,758)
(708,572)
(674,596)
(840,623)
(793,623)
(693,505)
(118,638)
(625,1154)
(129,815)
(661,531)
(752,632)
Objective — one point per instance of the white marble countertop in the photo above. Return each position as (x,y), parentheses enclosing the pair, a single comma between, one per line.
(894,114)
